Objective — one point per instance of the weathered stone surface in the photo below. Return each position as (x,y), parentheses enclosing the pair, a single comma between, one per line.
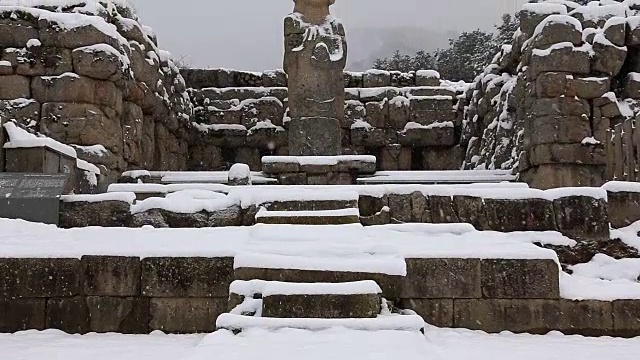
(148,218)
(567,59)
(588,88)
(311,205)
(110,275)
(81,124)
(395,157)
(442,279)
(371,205)
(471,210)
(314,136)
(520,279)
(16,32)
(534,316)
(398,112)
(529,20)
(582,218)
(372,137)
(567,154)
(321,306)
(442,210)
(391,285)
(436,312)
(376,79)
(22,314)
(550,176)
(71,88)
(632,86)
(70,315)
(25,112)
(623,208)
(186,277)
(377,113)
(186,315)
(562,106)
(39,278)
(560,129)
(520,215)
(400,206)
(292,179)
(52,33)
(626,318)
(608,58)
(99,63)
(424,136)
(554,32)
(14,87)
(39,61)
(104,213)
(420,208)
(443,158)
(125,315)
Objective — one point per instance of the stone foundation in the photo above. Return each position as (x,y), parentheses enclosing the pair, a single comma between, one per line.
(185,295)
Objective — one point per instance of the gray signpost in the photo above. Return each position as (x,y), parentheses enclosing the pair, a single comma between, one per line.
(32,197)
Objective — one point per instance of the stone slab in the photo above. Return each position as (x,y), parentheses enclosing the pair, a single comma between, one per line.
(186,277)
(322,306)
(436,312)
(520,279)
(442,279)
(523,215)
(310,205)
(124,315)
(186,315)
(70,314)
(624,208)
(309,220)
(582,218)
(391,285)
(626,318)
(316,136)
(110,275)
(39,278)
(22,314)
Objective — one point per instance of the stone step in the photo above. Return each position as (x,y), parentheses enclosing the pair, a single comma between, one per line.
(361,299)
(317,217)
(237,323)
(294,198)
(387,272)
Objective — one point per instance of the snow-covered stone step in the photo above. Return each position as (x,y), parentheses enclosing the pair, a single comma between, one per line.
(360,299)
(387,271)
(234,322)
(319,217)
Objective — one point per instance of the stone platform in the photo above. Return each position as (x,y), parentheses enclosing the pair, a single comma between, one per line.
(318,170)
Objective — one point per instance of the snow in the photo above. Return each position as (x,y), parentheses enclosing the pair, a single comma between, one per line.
(590,141)
(124,197)
(20,138)
(596,193)
(240,171)
(362,264)
(135,174)
(95,150)
(33,43)
(576,287)
(404,323)
(466,176)
(428,74)
(87,166)
(628,235)
(318,160)
(621,186)
(263,213)
(557,19)
(186,202)
(349,288)
(607,268)
(545,8)
(336,343)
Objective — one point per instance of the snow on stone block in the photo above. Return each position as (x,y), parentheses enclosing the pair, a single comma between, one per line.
(576,287)
(381,323)
(318,160)
(240,174)
(545,8)
(621,186)
(187,202)
(349,288)
(596,193)
(90,198)
(372,264)
(263,213)
(20,138)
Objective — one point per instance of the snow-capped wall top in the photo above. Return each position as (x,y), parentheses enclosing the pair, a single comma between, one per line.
(94,7)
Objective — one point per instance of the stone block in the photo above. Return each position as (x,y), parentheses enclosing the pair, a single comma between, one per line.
(567,154)
(395,158)
(205,158)
(560,107)
(377,113)
(70,314)
(626,318)
(249,156)
(52,33)
(520,215)
(567,59)
(437,158)
(590,318)
(39,278)
(555,32)
(280,167)
(442,210)
(471,210)
(25,112)
(111,275)
(125,315)
(531,19)
(85,214)
(186,277)
(433,104)
(14,87)
(632,86)
(314,136)
(420,208)
(442,279)
(400,205)
(275,78)
(15,33)
(292,179)
(427,78)
(39,61)
(371,137)
(623,208)
(71,88)
(582,218)
(436,312)
(428,136)
(588,88)
(371,205)
(321,306)
(99,63)
(22,314)
(520,279)
(186,315)
(398,112)
(376,78)
(318,179)
(560,129)
(608,58)
(391,285)
(551,176)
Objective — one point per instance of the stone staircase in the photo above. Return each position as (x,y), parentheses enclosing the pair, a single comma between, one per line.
(274,291)
(313,208)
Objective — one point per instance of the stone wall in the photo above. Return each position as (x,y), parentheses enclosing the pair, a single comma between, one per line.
(185,295)
(94,77)
(543,106)
(406,120)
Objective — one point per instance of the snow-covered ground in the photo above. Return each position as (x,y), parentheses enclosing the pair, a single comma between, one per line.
(436,344)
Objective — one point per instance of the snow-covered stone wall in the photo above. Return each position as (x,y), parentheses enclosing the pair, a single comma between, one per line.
(408,121)
(89,74)
(544,105)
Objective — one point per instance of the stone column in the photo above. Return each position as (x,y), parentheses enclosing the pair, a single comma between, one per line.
(314,60)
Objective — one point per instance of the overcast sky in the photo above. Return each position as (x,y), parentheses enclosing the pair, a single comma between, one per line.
(247,34)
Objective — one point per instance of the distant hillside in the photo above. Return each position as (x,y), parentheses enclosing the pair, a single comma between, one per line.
(367,44)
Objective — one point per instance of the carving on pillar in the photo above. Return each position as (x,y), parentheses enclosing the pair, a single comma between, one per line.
(314,60)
